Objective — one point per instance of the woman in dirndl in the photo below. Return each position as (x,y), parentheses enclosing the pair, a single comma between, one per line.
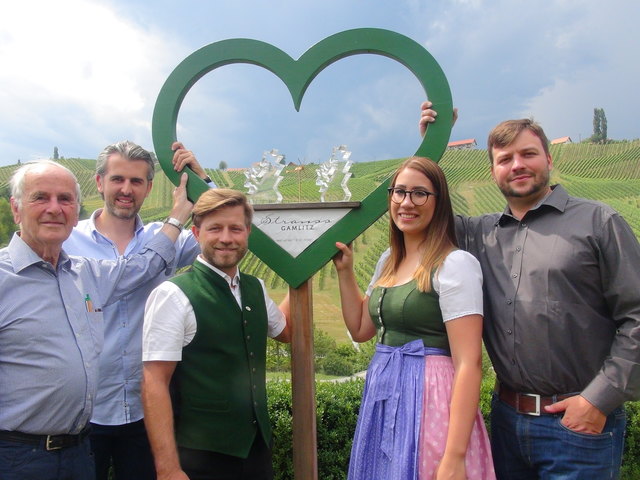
(419,417)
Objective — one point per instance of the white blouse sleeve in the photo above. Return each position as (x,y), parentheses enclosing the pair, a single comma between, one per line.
(459,286)
(378,271)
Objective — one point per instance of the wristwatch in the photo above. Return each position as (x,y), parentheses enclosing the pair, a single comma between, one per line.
(175,222)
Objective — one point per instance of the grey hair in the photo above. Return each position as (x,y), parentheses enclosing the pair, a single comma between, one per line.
(17,179)
(129,151)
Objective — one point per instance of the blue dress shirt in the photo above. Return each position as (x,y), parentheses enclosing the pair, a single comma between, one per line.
(118,399)
(51,331)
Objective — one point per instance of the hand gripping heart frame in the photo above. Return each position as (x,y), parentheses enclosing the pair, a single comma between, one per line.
(297,75)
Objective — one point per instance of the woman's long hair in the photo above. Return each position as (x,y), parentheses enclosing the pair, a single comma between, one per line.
(439,236)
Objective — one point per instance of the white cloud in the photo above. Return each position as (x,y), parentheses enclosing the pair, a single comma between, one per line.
(79,57)
(555,60)
(598,70)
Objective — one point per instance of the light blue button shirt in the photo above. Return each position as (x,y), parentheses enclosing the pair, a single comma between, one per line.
(118,399)
(51,331)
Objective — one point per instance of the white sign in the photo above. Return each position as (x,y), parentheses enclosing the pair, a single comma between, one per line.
(294,230)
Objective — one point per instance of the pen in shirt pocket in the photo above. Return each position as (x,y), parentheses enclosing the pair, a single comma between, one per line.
(89,305)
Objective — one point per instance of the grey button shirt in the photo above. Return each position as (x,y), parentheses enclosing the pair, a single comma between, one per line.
(562,298)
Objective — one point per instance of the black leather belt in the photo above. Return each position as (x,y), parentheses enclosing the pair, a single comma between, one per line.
(529,403)
(48,442)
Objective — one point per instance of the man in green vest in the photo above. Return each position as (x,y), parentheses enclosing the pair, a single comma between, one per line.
(204,353)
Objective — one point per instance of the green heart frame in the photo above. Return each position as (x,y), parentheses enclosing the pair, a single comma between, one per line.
(297,75)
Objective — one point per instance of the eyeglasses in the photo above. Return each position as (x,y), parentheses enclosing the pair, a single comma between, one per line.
(417,197)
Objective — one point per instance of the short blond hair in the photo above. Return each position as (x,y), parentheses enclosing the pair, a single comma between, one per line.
(217,198)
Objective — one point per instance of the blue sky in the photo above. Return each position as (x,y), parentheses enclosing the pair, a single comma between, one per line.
(80,74)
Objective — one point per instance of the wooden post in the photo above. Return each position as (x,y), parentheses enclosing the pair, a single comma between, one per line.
(305,454)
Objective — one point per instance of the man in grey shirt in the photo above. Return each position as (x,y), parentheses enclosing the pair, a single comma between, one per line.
(562,316)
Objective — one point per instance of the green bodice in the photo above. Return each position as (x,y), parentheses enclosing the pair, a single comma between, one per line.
(403,313)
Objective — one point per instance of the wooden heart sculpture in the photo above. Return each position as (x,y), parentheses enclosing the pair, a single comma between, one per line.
(297,75)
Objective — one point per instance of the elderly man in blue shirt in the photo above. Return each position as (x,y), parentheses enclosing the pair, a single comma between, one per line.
(124,178)
(51,324)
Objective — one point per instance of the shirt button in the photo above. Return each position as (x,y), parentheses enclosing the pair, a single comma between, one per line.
(518,249)
(509,331)
(251,354)
(523,224)
(509,302)
(515,275)
(248,337)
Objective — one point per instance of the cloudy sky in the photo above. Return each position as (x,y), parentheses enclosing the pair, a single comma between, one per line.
(80,74)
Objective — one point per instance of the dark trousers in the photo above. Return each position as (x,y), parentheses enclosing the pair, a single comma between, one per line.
(21,461)
(205,465)
(126,447)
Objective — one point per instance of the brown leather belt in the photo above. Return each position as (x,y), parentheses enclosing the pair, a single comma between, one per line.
(529,403)
(48,442)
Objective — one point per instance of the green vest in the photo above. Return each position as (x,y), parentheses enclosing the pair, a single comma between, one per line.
(219,389)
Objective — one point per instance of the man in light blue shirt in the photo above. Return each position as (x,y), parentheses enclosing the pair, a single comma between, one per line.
(124,178)
(51,324)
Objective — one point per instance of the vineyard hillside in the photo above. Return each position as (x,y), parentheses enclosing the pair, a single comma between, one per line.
(607,173)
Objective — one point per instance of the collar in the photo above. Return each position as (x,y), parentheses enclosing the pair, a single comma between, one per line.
(22,256)
(232,281)
(557,199)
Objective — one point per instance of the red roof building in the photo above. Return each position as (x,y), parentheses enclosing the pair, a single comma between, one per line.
(561,140)
(462,144)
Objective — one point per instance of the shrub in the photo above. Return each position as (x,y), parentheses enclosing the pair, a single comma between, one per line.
(341,361)
(631,459)
(337,406)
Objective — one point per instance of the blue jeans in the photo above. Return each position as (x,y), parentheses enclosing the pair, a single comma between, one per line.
(527,447)
(20,461)
(126,447)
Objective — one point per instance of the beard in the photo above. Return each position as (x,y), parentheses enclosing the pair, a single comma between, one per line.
(227,260)
(540,183)
(124,213)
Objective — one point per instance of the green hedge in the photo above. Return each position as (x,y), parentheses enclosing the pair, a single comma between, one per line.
(337,410)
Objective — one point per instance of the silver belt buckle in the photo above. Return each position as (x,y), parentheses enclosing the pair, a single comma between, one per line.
(537,397)
(50,447)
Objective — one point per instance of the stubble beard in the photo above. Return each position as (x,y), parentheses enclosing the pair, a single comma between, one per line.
(122,213)
(541,183)
(222,262)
